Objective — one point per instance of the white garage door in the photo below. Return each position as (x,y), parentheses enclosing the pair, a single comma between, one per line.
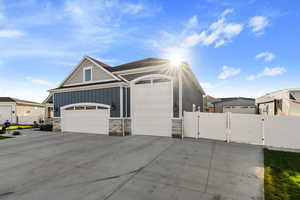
(82,118)
(5,114)
(152,107)
(240,109)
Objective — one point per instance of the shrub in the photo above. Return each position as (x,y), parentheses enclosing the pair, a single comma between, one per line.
(46,127)
(16,133)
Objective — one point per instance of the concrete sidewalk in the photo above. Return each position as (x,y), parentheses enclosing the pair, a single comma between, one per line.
(89,166)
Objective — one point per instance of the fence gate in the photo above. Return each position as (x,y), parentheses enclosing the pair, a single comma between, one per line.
(277,131)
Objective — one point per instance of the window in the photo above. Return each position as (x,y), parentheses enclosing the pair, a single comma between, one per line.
(79,107)
(70,108)
(88,74)
(91,108)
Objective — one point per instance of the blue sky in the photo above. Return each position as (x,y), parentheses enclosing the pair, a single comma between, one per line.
(236,48)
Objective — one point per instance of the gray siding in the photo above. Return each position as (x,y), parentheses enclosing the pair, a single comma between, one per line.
(109,96)
(190,94)
(126,102)
(238,102)
(97,73)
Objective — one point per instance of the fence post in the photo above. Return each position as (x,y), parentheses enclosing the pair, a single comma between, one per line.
(198,128)
(228,126)
(263,131)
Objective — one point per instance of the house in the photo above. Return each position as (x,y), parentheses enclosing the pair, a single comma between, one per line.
(208,103)
(145,97)
(280,102)
(235,105)
(20,111)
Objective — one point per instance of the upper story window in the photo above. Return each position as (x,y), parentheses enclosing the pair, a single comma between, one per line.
(87,74)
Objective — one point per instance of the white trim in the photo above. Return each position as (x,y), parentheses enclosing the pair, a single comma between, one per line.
(73,70)
(121,103)
(85,104)
(88,82)
(180,91)
(88,87)
(83,74)
(78,65)
(102,68)
(124,79)
(150,76)
(48,97)
(141,70)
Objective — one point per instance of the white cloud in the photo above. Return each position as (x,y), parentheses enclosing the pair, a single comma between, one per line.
(133,8)
(258,24)
(11,33)
(218,33)
(228,72)
(40,81)
(192,22)
(268,71)
(207,85)
(267,56)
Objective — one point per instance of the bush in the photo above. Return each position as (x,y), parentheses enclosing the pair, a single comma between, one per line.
(46,127)
(16,133)
(2,132)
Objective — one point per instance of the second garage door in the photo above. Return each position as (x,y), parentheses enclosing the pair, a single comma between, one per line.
(85,118)
(5,114)
(152,107)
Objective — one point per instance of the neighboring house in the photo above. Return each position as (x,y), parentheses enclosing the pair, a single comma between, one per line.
(281,102)
(145,97)
(208,103)
(235,105)
(20,111)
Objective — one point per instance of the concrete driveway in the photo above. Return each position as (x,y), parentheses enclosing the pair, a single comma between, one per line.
(88,166)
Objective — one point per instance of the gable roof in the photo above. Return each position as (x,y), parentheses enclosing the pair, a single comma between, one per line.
(140,64)
(99,64)
(19,101)
(219,100)
(148,62)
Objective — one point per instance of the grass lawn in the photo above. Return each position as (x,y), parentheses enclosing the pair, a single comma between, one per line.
(4,137)
(282,175)
(16,127)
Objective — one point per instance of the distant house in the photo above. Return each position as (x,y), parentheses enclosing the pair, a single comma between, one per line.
(235,105)
(145,97)
(208,103)
(280,102)
(20,111)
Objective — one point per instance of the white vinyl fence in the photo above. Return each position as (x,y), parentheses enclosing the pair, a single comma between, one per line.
(277,131)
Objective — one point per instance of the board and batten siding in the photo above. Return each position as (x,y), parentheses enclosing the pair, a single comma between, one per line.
(108,96)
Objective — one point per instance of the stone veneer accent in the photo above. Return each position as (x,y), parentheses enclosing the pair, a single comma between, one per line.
(116,127)
(177,128)
(127,126)
(56,124)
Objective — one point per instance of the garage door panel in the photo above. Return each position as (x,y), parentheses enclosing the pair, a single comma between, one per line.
(85,121)
(152,109)
(5,114)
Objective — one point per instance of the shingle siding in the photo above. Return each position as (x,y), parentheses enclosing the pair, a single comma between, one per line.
(109,96)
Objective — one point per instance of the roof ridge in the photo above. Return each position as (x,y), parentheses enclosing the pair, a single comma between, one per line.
(141,60)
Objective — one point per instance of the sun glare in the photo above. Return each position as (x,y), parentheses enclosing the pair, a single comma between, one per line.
(175,60)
